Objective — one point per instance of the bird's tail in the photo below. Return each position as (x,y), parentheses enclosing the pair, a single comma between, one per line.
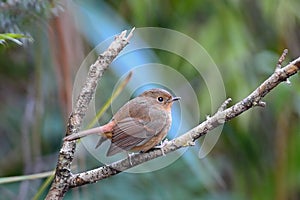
(84,133)
(100,141)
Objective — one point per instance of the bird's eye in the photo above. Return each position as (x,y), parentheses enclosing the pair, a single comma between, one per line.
(160,99)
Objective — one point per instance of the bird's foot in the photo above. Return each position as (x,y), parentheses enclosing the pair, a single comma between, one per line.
(161,145)
(129,155)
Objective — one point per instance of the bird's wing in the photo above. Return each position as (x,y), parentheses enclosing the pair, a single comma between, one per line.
(127,133)
(136,130)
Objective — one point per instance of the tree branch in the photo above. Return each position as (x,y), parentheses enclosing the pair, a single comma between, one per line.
(60,183)
(220,117)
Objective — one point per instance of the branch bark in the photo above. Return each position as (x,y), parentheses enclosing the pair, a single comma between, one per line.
(223,115)
(63,174)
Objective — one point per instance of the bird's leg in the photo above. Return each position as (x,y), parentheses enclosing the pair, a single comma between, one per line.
(161,145)
(129,155)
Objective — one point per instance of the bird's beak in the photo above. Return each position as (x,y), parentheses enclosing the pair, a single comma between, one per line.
(175,99)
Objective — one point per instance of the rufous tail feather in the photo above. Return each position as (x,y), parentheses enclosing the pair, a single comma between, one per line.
(84,133)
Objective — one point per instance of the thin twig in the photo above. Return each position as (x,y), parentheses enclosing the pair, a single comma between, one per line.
(282,58)
(187,139)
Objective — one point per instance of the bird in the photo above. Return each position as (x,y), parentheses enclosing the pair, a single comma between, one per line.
(138,126)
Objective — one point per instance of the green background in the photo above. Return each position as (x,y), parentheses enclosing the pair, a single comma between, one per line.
(257,155)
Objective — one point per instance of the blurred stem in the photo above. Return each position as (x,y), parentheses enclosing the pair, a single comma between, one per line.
(44,187)
(25,177)
(280,155)
(26,147)
(39,100)
(62,51)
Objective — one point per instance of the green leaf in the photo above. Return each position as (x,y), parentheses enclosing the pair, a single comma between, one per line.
(14,37)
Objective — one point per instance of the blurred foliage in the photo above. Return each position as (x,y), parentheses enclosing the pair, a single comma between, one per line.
(16,16)
(256,157)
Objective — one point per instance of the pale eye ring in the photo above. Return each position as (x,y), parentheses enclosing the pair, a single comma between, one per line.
(160,99)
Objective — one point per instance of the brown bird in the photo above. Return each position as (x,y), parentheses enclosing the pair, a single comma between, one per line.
(139,125)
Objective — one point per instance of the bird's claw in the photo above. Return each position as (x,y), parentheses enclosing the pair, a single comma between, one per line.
(161,145)
(129,155)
